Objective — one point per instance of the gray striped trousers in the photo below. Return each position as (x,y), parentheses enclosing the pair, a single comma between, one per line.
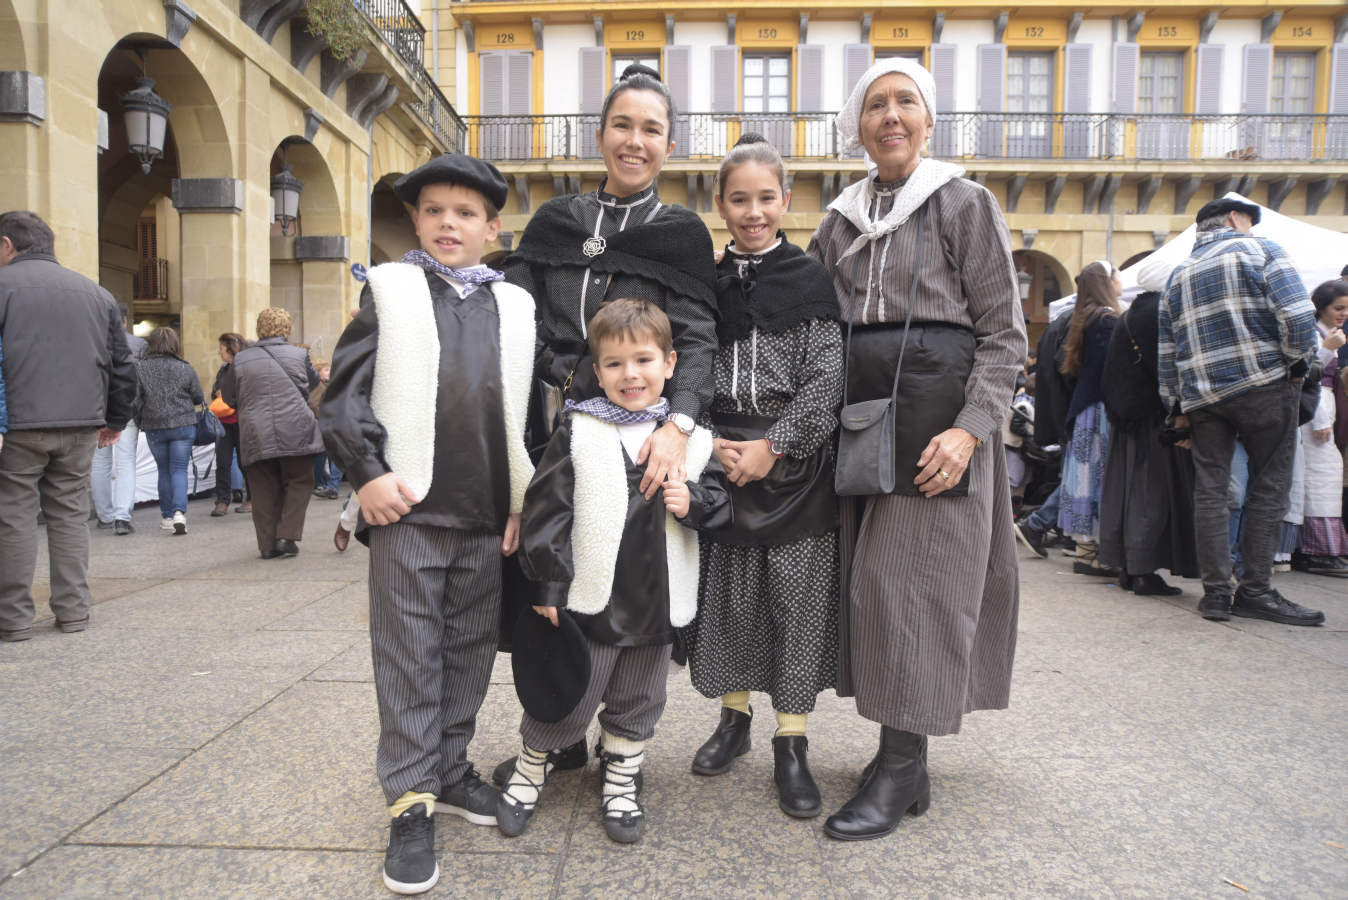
(629,681)
(435,607)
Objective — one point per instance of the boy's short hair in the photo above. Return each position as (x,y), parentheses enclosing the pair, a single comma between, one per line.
(630,319)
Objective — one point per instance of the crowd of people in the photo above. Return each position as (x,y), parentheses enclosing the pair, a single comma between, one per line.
(1203,430)
(780,465)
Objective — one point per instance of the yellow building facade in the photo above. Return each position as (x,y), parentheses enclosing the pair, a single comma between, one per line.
(1101,132)
(252,90)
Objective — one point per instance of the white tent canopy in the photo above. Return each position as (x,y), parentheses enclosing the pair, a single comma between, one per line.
(1318,254)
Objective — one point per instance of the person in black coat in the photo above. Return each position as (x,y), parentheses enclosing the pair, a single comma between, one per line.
(1053,393)
(1146,506)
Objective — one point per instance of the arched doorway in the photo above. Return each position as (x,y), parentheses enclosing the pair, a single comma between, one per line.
(172,256)
(310,256)
(391,232)
(1041,279)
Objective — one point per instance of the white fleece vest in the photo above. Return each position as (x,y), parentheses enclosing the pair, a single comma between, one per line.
(601,512)
(406,375)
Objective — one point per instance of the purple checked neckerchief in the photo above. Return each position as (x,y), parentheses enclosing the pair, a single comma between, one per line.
(605,410)
(472,275)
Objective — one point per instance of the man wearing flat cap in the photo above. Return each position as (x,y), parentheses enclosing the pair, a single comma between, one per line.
(1237,332)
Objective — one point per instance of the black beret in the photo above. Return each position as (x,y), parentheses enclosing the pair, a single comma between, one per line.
(1223,205)
(551,665)
(454,168)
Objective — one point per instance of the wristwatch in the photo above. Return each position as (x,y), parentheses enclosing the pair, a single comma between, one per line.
(772,448)
(683,422)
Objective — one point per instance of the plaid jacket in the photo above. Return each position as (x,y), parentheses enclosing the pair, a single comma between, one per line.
(1234,317)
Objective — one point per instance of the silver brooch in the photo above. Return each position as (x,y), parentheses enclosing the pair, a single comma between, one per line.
(593,246)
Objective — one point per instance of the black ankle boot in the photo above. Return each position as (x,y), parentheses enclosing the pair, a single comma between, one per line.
(875,761)
(729,740)
(897,785)
(797,794)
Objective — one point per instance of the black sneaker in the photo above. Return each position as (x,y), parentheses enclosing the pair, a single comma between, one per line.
(123,526)
(1215,607)
(1032,539)
(409,862)
(573,757)
(1320,565)
(1274,607)
(472,799)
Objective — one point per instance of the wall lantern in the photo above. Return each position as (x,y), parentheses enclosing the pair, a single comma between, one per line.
(146,116)
(285,195)
(1024,280)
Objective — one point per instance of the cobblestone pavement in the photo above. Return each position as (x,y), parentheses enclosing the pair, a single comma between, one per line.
(212,735)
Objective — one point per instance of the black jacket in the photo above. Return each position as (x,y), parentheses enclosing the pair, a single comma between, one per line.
(1052,389)
(1129,387)
(67,363)
(1094,349)
(470,486)
(638,610)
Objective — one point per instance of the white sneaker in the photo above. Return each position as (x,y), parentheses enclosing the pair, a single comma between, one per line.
(180,522)
(167,524)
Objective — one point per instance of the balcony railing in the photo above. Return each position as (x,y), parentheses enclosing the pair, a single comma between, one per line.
(399,26)
(1083,136)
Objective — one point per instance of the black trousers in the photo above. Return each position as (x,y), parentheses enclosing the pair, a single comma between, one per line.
(281,489)
(224,458)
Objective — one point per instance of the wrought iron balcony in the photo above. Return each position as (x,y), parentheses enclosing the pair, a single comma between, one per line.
(406,36)
(1060,136)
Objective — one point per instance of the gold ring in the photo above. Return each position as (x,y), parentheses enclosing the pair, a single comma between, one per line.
(945,475)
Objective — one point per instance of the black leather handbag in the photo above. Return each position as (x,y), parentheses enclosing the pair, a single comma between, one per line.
(795,500)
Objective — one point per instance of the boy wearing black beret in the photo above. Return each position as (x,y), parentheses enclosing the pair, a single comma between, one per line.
(425,413)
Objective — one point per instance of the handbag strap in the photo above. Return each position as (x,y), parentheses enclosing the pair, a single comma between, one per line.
(912,301)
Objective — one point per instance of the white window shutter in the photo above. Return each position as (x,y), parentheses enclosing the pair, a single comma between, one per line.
(1077,129)
(856,60)
(1258,80)
(1336,136)
(592,87)
(943,58)
(593,62)
(725,78)
(679,78)
(810,77)
(991,72)
(991,77)
(1077,91)
(1208,79)
(1126,61)
(493,84)
(519,72)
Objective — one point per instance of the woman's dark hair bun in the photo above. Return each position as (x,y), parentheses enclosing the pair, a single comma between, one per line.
(751,137)
(638,69)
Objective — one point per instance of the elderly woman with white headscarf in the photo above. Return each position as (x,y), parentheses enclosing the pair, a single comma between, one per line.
(922,265)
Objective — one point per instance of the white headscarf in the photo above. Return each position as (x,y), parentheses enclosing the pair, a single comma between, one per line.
(855,202)
(848,121)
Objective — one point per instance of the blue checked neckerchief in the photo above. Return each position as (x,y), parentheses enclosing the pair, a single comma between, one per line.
(471,275)
(606,410)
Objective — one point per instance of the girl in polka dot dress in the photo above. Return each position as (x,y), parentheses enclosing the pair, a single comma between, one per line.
(768,600)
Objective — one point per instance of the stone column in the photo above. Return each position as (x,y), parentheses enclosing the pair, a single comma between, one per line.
(210,237)
(323,262)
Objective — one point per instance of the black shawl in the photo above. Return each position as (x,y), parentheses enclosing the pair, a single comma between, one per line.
(1129,386)
(674,249)
(783,288)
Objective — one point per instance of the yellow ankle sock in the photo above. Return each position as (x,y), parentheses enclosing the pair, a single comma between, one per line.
(409,800)
(737,700)
(789,724)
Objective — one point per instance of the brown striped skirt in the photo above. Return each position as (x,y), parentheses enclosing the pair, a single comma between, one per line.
(930,593)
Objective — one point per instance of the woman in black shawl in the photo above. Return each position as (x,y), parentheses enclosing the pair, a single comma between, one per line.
(581,250)
(1146,502)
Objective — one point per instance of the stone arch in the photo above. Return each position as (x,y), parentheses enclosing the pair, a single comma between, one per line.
(1135,259)
(391,232)
(320,210)
(13,52)
(1042,279)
